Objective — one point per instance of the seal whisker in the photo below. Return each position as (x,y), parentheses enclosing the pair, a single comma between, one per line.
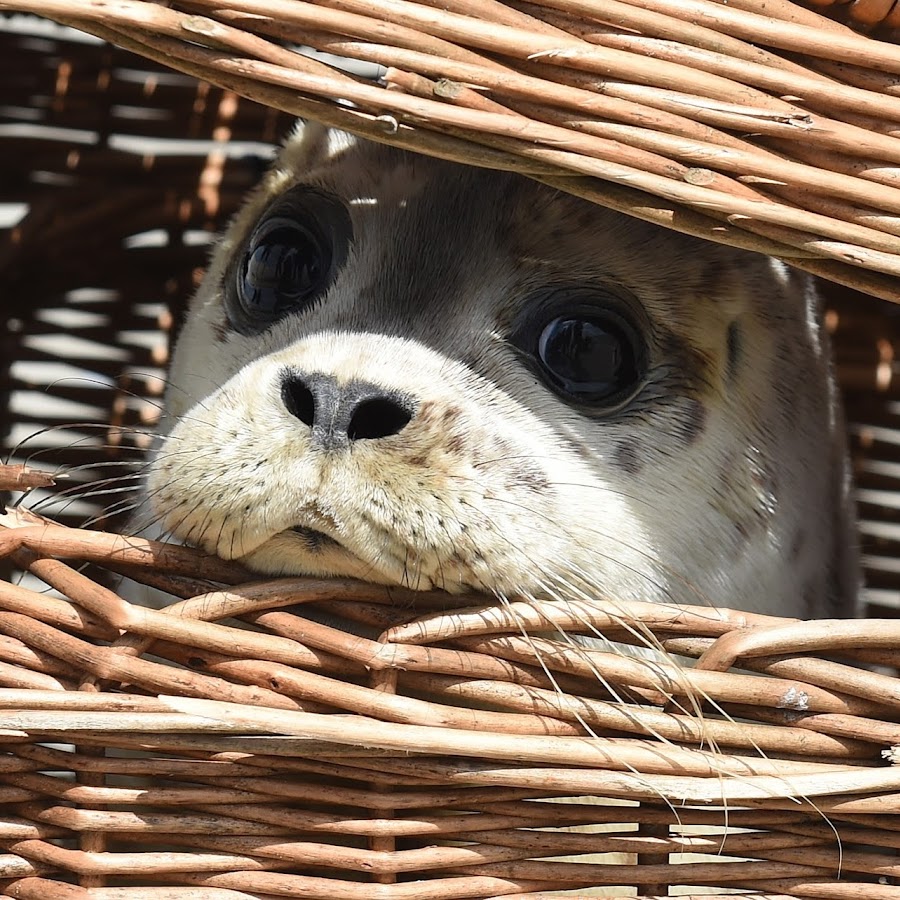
(645,638)
(577,715)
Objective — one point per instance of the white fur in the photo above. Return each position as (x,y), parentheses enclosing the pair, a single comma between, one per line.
(517,491)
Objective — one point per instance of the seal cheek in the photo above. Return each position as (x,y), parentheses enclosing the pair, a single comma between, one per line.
(748,493)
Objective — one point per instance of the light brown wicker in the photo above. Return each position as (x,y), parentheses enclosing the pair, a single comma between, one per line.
(750,123)
(334,740)
(406,745)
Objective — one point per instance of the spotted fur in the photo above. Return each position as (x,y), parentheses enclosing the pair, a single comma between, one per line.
(723,481)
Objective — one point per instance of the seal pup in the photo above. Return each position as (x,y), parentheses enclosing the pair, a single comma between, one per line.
(415,372)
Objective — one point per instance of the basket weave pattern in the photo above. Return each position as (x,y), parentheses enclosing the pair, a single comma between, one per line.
(236,745)
(75,151)
(302,739)
(751,123)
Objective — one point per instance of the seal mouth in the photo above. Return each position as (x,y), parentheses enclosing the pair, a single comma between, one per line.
(314,540)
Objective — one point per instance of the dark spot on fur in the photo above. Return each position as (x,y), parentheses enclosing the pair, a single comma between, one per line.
(450,416)
(628,457)
(692,421)
(455,444)
(419,460)
(220,332)
(425,410)
(797,545)
(734,349)
(533,479)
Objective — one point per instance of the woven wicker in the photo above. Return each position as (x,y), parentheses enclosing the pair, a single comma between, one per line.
(232,745)
(662,108)
(336,740)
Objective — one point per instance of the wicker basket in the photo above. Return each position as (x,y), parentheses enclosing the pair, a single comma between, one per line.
(234,746)
(643,106)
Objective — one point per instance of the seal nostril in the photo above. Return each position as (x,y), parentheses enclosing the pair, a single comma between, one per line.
(298,399)
(337,414)
(377,418)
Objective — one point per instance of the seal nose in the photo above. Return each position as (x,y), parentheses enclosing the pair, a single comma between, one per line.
(340,413)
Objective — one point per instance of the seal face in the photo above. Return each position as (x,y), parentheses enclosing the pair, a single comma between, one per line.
(415,372)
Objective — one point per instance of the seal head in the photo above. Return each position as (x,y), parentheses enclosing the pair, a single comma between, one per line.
(420,373)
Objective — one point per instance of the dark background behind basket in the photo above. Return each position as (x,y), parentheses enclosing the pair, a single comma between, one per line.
(115,174)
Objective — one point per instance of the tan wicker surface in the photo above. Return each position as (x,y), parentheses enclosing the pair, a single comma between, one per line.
(234,746)
(879,16)
(751,123)
(299,738)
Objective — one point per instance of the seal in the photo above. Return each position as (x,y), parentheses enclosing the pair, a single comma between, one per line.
(415,372)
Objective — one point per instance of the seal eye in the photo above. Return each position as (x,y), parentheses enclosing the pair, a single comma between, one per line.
(284,265)
(586,344)
(289,261)
(592,358)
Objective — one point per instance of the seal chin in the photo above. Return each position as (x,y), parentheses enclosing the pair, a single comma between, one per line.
(313,539)
(305,551)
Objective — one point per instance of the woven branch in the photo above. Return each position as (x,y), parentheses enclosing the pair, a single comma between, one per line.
(687,114)
(442,747)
